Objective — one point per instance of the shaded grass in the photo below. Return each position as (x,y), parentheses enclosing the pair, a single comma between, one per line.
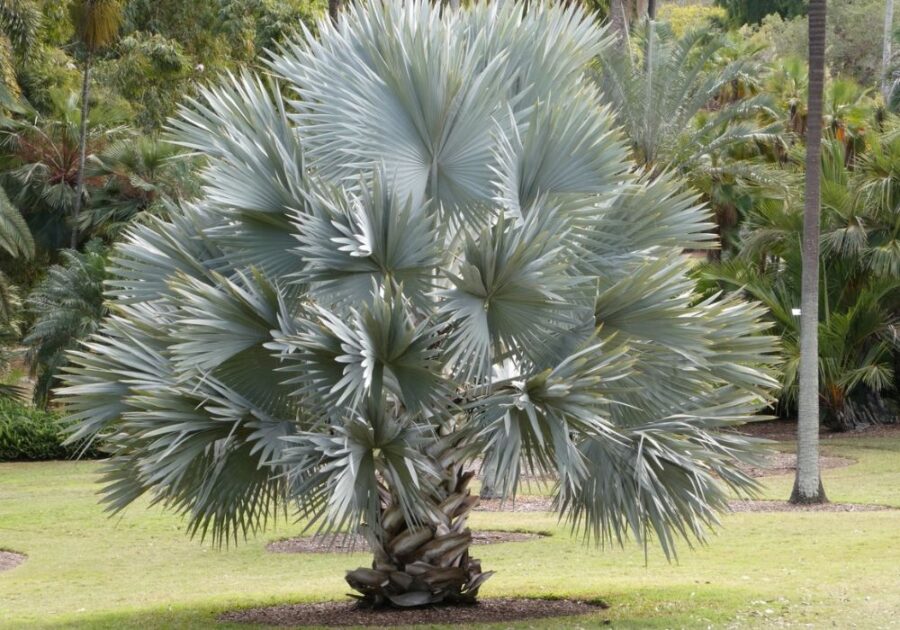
(139,570)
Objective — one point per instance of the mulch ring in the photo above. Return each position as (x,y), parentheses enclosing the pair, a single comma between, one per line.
(784,506)
(786,431)
(519,504)
(343,543)
(543,504)
(10,560)
(786,463)
(343,614)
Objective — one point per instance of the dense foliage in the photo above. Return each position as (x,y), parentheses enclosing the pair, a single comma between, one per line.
(721,104)
(29,434)
(753,11)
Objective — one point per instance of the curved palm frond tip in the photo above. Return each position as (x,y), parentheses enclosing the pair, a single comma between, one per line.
(437,255)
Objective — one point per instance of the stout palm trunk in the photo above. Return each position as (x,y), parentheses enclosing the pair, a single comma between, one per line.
(808,483)
(427,563)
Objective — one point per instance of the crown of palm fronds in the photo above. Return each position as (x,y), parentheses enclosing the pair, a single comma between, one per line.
(96,22)
(431,251)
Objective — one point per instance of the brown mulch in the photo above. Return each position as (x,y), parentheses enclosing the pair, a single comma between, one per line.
(520,504)
(543,504)
(347,543)
(343,614)
(786,463)
(784,506)
(10,560)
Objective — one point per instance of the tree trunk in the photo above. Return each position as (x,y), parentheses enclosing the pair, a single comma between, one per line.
(428,563)
(886,53)
(334,7)
(808,483)
(79,185)
(619,20)
(651,9)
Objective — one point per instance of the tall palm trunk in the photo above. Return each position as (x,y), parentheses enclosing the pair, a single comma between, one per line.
(808,483)
(82,147)
(619,20)
(886,52)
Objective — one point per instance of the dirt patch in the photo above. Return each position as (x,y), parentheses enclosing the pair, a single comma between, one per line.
(343,614)
(10,560)
(784,506)
(786,463)
(348,543)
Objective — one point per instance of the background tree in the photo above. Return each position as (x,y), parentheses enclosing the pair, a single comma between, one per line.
(808,484)
(860,286)
(97,25)
(67,306)
(686,107)
(503,288)
(750,12)
(20,21)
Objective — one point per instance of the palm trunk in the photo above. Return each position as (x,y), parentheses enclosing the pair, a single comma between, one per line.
(79,185)
(619,20)
(428,563)
(808,484)
(651,9)
(886,53)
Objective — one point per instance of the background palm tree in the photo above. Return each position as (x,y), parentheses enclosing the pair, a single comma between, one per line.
(436,254)
(19,24)
(96,26)
(808,483)
(678,107)
(42,162)
(860,281)
(67,306)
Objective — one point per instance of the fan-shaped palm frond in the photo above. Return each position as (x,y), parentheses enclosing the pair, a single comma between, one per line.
(421,261)
(15,237)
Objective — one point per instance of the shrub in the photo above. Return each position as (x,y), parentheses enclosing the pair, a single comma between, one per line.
(31,434)
(690,17)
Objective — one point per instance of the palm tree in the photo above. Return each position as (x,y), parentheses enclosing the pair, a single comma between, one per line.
(860,276)
(436,254)
(96,26)
(141,175)
(67,305)
(670,104)
(19,24)
(808,483)
(619,20)
(42,162)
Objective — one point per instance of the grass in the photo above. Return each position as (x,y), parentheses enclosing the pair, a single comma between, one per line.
(139,570)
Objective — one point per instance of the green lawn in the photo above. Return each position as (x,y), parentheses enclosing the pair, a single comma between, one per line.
(761,570)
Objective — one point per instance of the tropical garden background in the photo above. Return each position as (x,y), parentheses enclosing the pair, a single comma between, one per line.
(711,99)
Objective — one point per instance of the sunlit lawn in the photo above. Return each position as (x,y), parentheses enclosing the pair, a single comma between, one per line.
(761,570)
